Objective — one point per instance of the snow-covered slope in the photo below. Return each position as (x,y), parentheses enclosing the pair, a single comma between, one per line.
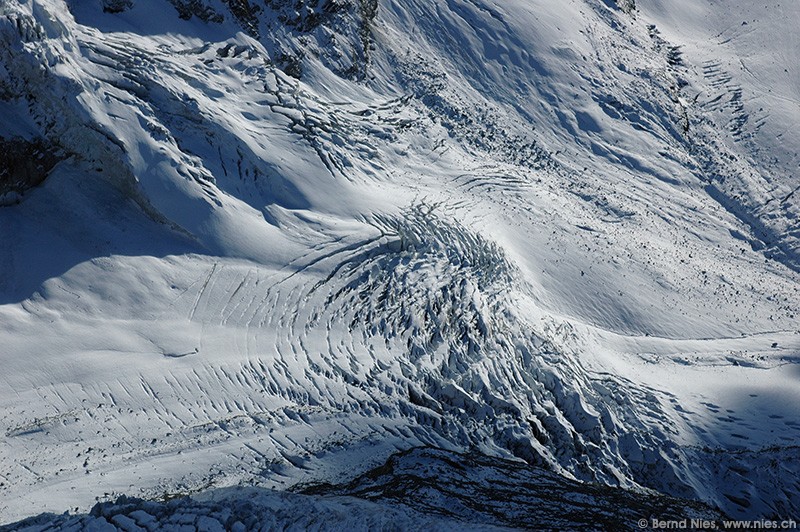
(274,243)
(421,488)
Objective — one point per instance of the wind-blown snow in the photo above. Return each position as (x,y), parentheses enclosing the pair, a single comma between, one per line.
(276,250)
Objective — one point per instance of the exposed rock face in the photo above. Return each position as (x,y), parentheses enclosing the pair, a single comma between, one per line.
(246,14)
(23,165)
(512,494)
(628,6)
(116,6)
(196,8)
(338,32)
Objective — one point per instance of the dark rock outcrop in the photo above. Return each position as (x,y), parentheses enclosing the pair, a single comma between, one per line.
(116,6)
(24,164)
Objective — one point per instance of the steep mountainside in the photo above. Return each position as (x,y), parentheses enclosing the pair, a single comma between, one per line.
(273,243)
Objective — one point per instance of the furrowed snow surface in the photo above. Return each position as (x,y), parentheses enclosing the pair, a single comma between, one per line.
(273,244)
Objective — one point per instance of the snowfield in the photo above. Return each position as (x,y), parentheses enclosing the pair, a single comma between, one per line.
(281,256)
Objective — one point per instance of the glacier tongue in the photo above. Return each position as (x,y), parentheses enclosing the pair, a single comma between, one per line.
(273,244)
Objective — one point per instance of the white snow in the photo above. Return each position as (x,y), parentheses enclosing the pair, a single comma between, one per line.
(534,229)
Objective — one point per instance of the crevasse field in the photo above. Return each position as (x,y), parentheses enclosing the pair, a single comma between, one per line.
(398,264)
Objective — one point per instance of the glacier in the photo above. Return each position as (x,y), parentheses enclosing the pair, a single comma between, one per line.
(256,253)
